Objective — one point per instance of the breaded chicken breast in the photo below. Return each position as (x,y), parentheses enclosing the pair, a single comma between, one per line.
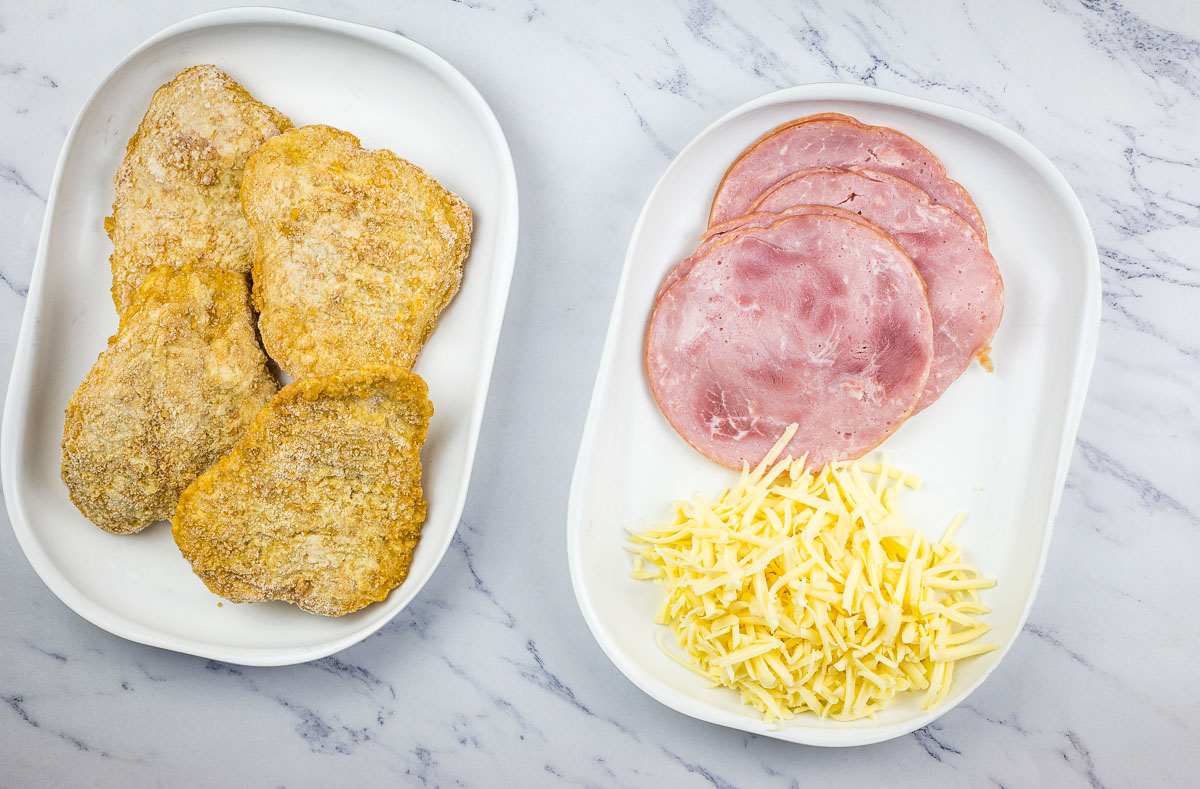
(320,503)
(177,191)
(355,252)
(180,382)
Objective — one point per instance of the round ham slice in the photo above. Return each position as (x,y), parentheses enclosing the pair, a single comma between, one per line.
(715,234)
(836,141)
(815,320)
(966,293)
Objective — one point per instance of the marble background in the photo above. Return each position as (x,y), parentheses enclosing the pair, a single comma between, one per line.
(491,677)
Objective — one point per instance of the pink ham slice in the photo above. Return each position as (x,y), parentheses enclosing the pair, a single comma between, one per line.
(815,320)
(966,293)
(836,141)
(716,233)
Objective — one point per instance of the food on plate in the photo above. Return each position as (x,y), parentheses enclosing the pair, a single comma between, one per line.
(966,294)
(809,591)
(177,190)
(832,140)
(816,320)
(310,495)
(736,350)
(356,252)
(179,383)
(320,503)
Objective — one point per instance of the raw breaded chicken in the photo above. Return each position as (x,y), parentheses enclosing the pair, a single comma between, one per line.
(320,503)
(180,382)
(355,252)
(177,191)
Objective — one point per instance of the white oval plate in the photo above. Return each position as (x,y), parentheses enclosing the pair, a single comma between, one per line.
(390,92)
(994,445)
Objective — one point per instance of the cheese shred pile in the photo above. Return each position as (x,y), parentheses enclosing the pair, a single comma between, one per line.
(809,592)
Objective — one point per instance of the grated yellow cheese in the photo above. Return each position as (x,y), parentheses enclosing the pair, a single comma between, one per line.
(807,592)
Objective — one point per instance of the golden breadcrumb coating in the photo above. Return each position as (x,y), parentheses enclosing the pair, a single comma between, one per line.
(320,503)
(177,191)
(179,384)
(355,252)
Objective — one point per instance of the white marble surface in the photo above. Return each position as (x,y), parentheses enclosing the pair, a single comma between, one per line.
(491,677)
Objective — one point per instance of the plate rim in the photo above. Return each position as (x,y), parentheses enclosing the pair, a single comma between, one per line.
(20,389)
(1084,359)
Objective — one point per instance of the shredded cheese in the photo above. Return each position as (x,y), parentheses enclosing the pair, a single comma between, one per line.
(808,592)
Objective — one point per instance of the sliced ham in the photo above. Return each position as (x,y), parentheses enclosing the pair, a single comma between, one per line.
(966,294)
(831,140)
(716,233)
(815,320)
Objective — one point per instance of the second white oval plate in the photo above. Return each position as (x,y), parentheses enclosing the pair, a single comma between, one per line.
(392,93)
(996,446)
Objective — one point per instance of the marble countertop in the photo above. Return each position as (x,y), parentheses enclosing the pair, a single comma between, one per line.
(491,677)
